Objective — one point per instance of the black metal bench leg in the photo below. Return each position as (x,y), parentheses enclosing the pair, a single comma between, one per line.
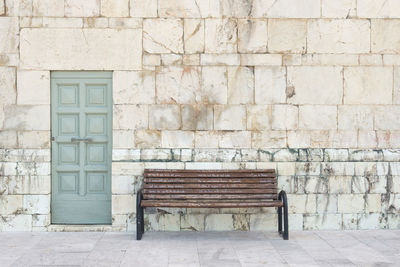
(285,234)
(139,216)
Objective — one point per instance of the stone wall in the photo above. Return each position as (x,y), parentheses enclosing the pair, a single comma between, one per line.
(311,88)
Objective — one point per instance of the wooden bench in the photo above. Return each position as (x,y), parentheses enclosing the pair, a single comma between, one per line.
(211,189)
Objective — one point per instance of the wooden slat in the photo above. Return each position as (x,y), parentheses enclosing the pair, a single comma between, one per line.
(219,204)
(210,180)
(215,185)
(210,196)
(208,175)
(210,191)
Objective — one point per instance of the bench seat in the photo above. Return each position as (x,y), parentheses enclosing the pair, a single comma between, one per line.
(210,189)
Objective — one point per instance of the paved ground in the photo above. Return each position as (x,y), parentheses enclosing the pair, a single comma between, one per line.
(323,248)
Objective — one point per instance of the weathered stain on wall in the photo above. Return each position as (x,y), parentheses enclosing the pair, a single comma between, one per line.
(310,88)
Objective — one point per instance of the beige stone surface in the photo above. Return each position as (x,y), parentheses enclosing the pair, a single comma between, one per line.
(368,85)
(396,84)
(34,139)
(130,117)
(8,92)
(123,138)
(221,36)
(338,36)
(229,117)
(2,8)
(286,9)
(49,8)
(378,9)
(133,87)
(259,117)
(41,49)
(252,36)
(386,118)
(24,117)
(240,85)
(147,139)
(383,37)
(194,35)
(78,8)
(114,8)
(214,85)
(287,36)
(235,139)
(317,117)
(123,204)
(143,8)
(285,117)
(9,35)
(197,117)
(268,139)
(33,87)
(219,222)
(260,59)
(354,117)
(163,35)
(62,22)
(314,85)
(270,85)
(176,8)
(339,8)
(177,139)
(220,59)
(179,85)
(348,203)
(164,117)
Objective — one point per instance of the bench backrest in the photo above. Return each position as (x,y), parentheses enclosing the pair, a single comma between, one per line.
(210,185)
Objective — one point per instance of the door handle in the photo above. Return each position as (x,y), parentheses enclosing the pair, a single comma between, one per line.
(86,139)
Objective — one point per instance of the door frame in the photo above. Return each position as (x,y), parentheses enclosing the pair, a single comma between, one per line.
(79,74)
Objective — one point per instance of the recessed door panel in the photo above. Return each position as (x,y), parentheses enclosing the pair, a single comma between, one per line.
(81,147)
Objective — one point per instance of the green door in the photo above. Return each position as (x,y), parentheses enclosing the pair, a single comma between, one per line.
(81,147)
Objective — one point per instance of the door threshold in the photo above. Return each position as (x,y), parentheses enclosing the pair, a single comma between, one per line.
(83,228)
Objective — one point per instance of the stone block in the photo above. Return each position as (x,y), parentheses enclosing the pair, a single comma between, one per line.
(263,222)
(179,9)
(350,221)
(311,154)
(48,8)
(315,185)
(205,155)
(261,59)
(214,85)
(19,222)
(270,85)
(192,222)
(340,184)
(286,155)
(291,59)
(127,168)
(365,155)
(355,117)
(368,85)
(382,38)
(336,154)
(143,8)
(93,22)
(259,117)
(330,59)
(286,168)
(2,8)
(191,59)
(156,155)
(151,60)
(219,222)
(24,117)
(220,59)
(8,139)
(252,36)
(367,139)
(41,49)
(193,36)
(317,117)
(11,204)
(197,117)
(221,36)
(322,222)
(241,222)
(147,139)
(237,139)
(33,87)
(287,36)
(230,117)
(62,22)
(164,117)
(163,35)
(285,117)
(337,168)
(77,8)
(171,59)
(178,85)
(268,139)
(34,139)
(351,203)
(338,36)
(206,139)
(126,154)
(286,9)
(123,138)
(123,185)
(114,8)
(123,119)
(123,204)
(371,60)
(386,118)
(378,9)
(327,203)
(8,92)
(177,139)
(314,85)
(373,203)
(203,165)
(240,85)
(372,221)
(31,22)
(339,9)
(302,203)
(393,221)
(133,87)
(36,204)
(128,23)
(39,220)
